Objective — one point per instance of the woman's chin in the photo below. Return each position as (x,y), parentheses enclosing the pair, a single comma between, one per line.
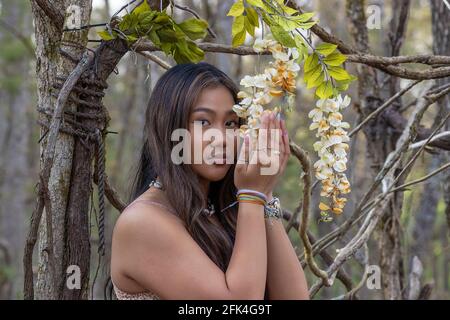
(215,172)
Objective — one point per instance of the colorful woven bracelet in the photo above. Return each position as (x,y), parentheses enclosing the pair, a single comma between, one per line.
(253,192)
(247,197)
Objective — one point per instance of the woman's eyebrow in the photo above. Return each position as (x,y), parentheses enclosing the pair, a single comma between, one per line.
(200,109)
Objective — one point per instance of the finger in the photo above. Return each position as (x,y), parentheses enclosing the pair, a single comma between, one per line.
(262,135)
(270,128)
(244,151)
(261,152)
(277,142)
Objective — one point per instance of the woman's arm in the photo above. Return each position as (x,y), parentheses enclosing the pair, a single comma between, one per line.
(155,250)
(285,277)
(247,270)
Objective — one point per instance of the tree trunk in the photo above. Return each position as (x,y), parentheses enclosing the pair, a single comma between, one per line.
(50,64)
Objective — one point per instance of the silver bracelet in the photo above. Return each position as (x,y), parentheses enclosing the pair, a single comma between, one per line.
(272,210)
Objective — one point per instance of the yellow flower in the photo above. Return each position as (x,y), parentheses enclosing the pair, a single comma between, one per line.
(323,125)
(323,207)
(337,210)
(276,93)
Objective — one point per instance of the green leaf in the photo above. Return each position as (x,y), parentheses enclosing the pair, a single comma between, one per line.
(326,48)
(167,48)
(342,85)
(299,42)
(129,22)
(162,18)
(154,38)
(303,53)
(282,36)
(105,35)
(252,16)
(187,51)
(304,17)
(316,80)
(338,73)
(167,35)
(195,53)
(306,25)
(335,59)
(257,3)
(146,19)
(131,38)
(238,25)
(236,9)
(311,62)
(239,38)
(290,11)
(142,7)
(325,90)
(249,27)
(194,28)
(284,23)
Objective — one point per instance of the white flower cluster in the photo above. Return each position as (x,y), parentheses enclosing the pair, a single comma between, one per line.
(332,150)
(278,80)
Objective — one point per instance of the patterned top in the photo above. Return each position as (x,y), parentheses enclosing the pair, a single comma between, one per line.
(145,295)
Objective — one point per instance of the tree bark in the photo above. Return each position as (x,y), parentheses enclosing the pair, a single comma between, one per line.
(50,64)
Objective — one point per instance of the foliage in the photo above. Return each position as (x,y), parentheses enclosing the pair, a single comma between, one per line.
(174,39)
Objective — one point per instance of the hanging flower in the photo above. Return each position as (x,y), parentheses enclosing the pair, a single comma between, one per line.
(278,81)
(332,150)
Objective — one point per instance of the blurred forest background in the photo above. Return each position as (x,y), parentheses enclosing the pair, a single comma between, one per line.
(424,226)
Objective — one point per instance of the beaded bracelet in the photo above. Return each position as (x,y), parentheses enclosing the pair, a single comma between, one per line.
(271,208)
(250,198)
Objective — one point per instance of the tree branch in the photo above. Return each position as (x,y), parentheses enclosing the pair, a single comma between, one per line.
(303,158)
(383,63)
(382,107)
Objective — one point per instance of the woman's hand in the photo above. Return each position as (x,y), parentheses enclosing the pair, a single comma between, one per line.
(261,162)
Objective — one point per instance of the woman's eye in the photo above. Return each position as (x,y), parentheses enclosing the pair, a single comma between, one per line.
(202,122)
(232,123)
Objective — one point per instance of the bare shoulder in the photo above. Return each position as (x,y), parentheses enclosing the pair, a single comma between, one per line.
(143,231)
(145,221)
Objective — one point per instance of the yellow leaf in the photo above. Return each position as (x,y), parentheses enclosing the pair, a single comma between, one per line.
(323,207)
(238,25)
(239,38)
(325,90)
(236,9)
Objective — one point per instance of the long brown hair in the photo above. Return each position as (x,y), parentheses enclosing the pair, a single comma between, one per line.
(168,109)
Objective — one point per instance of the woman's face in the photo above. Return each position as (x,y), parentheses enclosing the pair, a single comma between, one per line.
(214,128)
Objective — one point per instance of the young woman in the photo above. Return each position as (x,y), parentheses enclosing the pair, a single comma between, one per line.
(181,237)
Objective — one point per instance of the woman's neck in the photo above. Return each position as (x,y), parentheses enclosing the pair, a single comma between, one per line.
(205,186)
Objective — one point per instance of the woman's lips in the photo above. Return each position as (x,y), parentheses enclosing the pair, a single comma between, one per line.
(219,160)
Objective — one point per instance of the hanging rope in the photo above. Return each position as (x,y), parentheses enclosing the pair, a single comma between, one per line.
(87,94)
(101,192)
